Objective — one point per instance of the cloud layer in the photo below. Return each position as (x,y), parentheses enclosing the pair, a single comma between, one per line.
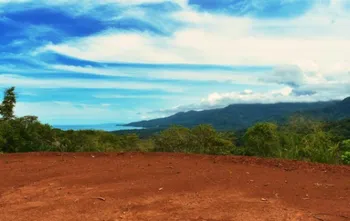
(157,57)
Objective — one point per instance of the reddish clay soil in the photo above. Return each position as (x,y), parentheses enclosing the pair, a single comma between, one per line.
(136,186)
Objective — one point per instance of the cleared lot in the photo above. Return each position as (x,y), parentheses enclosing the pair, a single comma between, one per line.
(158,186)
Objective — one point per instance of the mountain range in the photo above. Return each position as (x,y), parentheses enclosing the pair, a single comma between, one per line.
(240,116)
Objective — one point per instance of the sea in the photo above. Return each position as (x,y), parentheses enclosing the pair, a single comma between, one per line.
(104,127)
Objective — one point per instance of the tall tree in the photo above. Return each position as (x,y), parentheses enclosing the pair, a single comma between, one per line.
(8,104)
(262,140)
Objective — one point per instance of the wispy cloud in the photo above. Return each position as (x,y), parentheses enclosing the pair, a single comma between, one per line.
(21,81)
(123,96)
(241,75)
(195,54)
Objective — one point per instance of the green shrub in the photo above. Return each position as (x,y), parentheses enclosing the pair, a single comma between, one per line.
(345,146)
(205,139)
(346,158)
(262,140)
(201,139)
(173,139)
(304,139)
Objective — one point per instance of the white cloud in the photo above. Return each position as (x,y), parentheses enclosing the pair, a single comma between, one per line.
(188,46)
(312,42)
(287,74)
(285,94)
(91,70)
(91,2)
(20,81)
(311,54)
(320,92)
(316,44)
(248,96)
(238,77)
(123,96)
(228,40)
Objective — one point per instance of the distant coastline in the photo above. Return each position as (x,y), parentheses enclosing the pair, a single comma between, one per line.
(104,127)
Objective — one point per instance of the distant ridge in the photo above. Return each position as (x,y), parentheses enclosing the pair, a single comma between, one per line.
(337,111)
(240,116)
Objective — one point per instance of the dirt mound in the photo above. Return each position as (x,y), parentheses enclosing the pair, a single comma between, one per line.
(136,186)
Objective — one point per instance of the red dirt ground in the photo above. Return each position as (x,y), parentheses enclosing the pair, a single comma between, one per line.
(136,186)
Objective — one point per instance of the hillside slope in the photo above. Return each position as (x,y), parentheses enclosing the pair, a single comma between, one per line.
(338,111)
(239,116)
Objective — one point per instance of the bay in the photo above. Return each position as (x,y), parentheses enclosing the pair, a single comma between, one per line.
(104,127)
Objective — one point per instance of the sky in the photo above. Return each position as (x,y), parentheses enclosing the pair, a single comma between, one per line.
(106,61)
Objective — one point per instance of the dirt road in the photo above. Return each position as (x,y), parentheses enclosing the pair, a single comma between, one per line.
(136,186)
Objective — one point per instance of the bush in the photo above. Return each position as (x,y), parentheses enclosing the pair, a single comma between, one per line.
(27,134)
(304,139)
(345,146)
(174,139)
(205,139)
(346,158)
(262,140)
(201,139)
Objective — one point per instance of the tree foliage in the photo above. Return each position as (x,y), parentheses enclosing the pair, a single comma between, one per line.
(346,158)
(262,140)
(27,134)
(8,104)
(299,138)
(200,139)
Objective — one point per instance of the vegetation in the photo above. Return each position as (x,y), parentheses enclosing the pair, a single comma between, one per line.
(8,104)
(27,134)
(298,138)
(200,139)
(242,116)
(262,140)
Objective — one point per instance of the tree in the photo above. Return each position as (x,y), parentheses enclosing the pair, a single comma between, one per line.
(8,104)
(345,146)
(173,139)
(200,139)
(262,140)
(205,139)
(2,140)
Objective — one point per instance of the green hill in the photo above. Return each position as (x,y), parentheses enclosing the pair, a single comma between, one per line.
(240,116)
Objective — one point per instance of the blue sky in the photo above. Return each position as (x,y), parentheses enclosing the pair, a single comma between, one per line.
(87,62)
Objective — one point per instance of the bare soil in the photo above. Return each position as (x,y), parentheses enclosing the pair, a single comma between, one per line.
(158,186)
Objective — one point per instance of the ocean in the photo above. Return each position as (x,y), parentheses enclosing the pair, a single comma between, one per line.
(104,127)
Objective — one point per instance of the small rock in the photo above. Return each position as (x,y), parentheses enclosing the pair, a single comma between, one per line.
(160,189)
(263,199)
(306,197)
(100,198)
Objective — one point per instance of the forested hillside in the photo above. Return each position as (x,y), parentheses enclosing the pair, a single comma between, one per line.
(241,116)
